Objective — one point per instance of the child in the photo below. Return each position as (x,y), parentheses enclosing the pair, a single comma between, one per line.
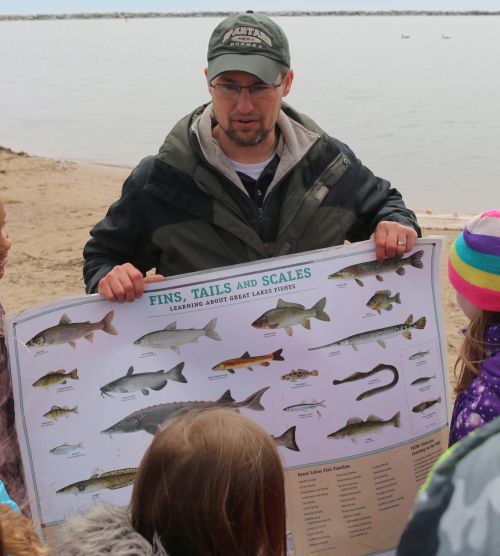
(10,459)
(474,271)
(210,484)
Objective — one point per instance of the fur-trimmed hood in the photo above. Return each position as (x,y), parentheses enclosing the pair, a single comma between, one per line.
(104,529)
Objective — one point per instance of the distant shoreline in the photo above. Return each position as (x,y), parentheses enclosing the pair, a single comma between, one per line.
(302,13)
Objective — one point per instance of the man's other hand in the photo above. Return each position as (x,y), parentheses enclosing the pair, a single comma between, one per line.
(392,238)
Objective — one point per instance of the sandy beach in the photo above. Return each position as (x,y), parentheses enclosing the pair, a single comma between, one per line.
(51,206)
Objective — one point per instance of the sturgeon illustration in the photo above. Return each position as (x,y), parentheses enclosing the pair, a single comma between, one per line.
(287,439)
(150,418)
(144,382)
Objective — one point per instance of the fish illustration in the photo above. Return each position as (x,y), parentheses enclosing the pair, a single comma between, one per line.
(173,337)
(418,355)
(360,375)
(299,374)
(422,406)
(247,360)
(379,335)
(66,448)
(422,379)
(150,418)
(143,381)
(304,406)
(67,332)
(287,439)
(382,300)
(112,480)
(392,264)
(55,412)
(55,377)
(357,427)
(287,314)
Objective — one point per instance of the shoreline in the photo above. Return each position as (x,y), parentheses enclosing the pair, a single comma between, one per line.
(52,204)
(439,221)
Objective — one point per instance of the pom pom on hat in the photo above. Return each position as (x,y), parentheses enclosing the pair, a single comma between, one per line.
(474,262)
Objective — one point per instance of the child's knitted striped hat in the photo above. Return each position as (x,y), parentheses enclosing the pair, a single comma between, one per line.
(474,262)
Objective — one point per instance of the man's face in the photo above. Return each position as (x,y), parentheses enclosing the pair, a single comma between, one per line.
(245,120)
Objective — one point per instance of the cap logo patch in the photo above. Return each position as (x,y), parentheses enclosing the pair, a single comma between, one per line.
(247,36)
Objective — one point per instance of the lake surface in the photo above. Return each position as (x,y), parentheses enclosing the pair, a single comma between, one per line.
(423,112)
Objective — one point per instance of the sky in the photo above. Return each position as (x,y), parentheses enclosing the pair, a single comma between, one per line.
(24,7)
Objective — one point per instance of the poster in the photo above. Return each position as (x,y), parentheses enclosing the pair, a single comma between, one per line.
(340,358)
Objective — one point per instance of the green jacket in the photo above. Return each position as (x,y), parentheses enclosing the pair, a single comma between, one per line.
(186,210)
(457,512)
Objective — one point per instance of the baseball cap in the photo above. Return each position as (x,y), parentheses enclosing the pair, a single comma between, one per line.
(249,42)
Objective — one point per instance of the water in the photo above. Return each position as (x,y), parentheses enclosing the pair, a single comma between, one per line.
(422,112)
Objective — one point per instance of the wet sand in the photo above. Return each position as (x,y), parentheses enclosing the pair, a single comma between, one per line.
(51,206)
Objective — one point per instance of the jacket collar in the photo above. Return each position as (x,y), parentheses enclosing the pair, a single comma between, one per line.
(190,152)
(294,143)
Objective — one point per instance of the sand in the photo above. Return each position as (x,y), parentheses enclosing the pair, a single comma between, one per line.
(51,206)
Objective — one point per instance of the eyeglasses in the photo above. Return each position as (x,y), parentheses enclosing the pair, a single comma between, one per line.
(231,91)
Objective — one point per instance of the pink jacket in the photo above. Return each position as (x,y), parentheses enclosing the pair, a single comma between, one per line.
(11,470)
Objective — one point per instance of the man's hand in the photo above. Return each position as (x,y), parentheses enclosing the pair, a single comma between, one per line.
(125,283)
(393,239)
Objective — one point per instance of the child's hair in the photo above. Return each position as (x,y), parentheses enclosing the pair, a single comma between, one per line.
(474,272)
(17,537)
(212,484)
(473,349)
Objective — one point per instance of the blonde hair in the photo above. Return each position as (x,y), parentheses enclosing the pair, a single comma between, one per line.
(473,349)
(212,484)
(17,537)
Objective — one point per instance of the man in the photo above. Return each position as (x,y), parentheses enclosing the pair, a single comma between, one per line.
(242,178)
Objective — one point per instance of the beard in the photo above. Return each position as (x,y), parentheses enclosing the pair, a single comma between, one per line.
(246,139)
(249,138)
